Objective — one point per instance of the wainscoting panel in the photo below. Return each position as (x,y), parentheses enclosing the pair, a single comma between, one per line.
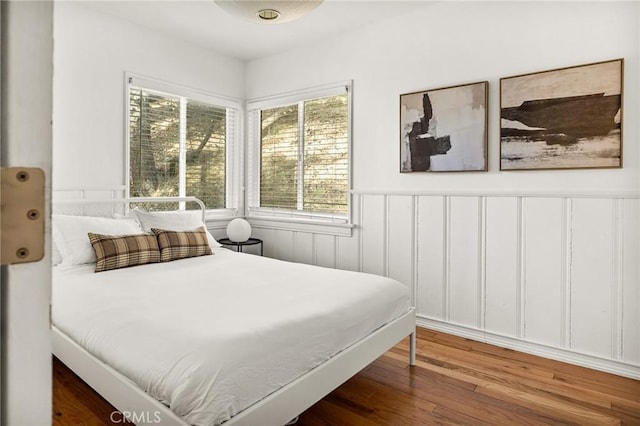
(303,247)
(464,237)
(325,250)
(502,281)
(270,241)
(285,245)
(348,252)
(592,276)
(431,246)
(374,229)
(348,248)
(545,276)
(400,239)
(555,274)
(627,304)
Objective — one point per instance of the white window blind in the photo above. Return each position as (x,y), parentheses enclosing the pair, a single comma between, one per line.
(179,146)
(299,155)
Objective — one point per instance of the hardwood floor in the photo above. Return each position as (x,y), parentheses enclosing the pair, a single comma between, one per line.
(456,381)
(75,403)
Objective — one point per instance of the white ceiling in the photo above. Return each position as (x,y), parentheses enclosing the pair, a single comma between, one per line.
(204,23)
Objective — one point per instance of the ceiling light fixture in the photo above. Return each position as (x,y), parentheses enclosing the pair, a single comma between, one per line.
(268,14)
(269,11)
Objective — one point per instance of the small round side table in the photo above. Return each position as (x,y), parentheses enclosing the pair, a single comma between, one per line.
(239,245)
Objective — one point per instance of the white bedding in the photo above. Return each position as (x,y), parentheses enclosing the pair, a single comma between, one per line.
(212,335)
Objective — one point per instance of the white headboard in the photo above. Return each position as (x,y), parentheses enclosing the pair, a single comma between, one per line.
(108,201)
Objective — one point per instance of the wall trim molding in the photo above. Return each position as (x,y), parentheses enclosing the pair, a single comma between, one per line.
(359,229)
(482,262)
(617,296)
(299,225)
(415,227)
(572,357)
(521,261)
(385,235)
(446,268)
(515,192)
(567,236)
(90,188)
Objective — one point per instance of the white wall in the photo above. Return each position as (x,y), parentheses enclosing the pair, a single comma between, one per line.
(541,261)
(459,42)
(91,54)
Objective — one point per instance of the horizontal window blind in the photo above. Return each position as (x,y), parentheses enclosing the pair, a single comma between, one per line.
(154,144)
(279,157)
(179,146)
(205,170)
(299,156)
(325,154)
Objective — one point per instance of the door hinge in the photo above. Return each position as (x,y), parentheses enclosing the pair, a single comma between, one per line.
(22,215)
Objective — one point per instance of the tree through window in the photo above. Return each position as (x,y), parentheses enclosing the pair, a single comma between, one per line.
(178,147)
(302,151)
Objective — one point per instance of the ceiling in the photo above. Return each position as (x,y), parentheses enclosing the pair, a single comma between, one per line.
(204,23)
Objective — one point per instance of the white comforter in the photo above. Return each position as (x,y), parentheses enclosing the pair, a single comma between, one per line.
(211,336)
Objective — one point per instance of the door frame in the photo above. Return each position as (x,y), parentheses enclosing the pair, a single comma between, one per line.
(26,86)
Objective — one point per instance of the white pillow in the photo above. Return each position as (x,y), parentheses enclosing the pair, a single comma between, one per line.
(70,235)
(173,221)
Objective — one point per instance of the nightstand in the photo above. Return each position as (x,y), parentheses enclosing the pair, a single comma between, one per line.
(239,246)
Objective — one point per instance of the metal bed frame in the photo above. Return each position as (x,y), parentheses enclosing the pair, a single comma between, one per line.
(275,409)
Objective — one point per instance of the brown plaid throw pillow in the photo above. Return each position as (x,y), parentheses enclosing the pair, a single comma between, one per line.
(176,245)
(121,251)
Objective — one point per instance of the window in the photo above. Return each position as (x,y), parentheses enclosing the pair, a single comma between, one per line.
(180,143)
(299,155)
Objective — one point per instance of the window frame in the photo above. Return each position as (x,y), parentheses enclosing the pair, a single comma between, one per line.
(233,144)
(290,219)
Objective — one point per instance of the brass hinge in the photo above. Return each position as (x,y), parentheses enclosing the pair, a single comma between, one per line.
(22,215)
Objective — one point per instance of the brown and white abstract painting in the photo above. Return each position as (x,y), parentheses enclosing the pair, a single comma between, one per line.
(562,119)
(444,129)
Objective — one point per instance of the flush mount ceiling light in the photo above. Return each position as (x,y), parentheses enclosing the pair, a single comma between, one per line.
(269,11)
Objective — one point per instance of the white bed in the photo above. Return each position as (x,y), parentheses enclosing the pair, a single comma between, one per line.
(229,338)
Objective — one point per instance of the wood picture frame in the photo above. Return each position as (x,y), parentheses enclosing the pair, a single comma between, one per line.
(565,118)
(445,129)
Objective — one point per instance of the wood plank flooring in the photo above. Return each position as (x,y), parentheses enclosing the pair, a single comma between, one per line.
(455,382)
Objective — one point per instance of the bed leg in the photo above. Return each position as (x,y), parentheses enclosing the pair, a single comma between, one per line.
(412,349)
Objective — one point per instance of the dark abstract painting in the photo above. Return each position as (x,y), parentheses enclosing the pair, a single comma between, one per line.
(444,129)
(561,119)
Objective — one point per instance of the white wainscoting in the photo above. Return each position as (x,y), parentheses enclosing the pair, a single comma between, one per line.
(551,273)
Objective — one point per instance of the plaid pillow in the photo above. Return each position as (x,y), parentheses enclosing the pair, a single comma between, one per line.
(121,251)
(176,245)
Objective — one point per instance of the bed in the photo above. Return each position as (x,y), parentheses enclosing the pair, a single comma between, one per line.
(228,338)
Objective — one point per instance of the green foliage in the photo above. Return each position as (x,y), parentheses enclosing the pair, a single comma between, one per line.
(154,156)
(205,157)
(279,157)
(324,156)
(326,163)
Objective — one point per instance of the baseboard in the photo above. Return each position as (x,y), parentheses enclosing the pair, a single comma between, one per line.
(619,368)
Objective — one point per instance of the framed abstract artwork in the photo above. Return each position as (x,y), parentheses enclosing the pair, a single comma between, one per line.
(567,118)
(444,130)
